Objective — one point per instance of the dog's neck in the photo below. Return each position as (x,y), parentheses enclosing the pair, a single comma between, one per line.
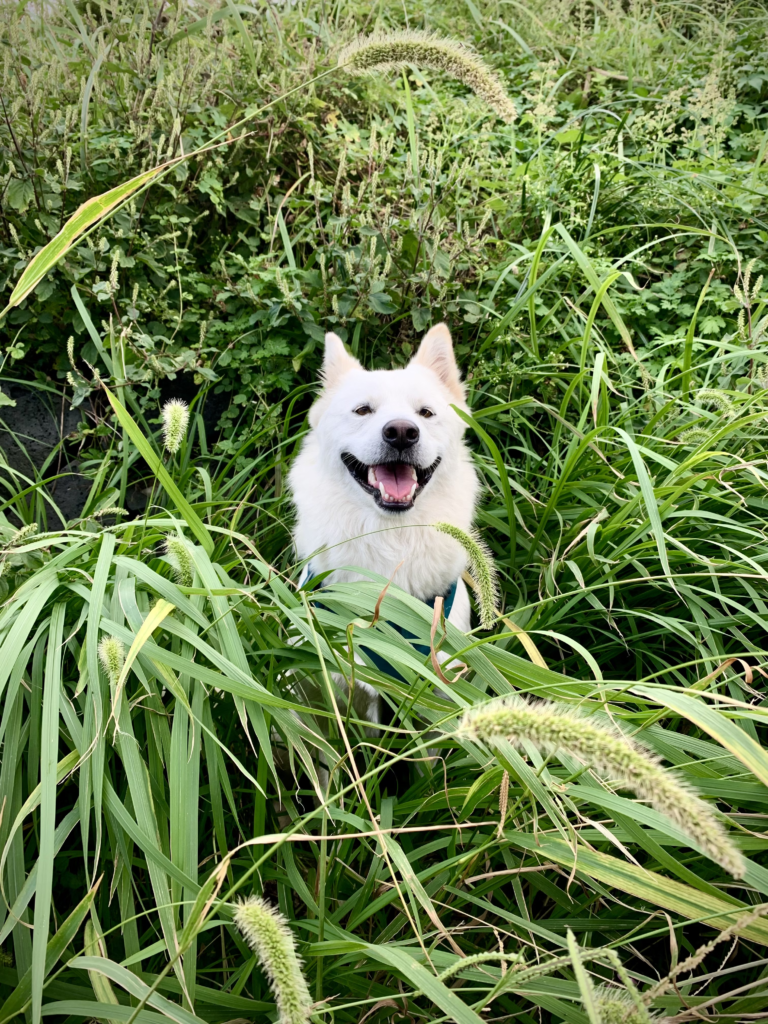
(338,532)
(419,560)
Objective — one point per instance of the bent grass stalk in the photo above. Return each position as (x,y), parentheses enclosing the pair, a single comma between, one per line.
(690,963)
(268,935)
(552,727)
(394,51)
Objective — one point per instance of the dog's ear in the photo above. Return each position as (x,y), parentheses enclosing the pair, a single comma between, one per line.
(336,361)
(436,354)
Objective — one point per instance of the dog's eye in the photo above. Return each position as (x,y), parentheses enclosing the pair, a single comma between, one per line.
(426,413)
(363,410)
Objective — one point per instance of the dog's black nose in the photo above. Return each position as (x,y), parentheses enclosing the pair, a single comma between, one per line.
(401,434)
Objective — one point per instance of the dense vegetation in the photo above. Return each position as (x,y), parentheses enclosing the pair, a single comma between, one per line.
(600,263)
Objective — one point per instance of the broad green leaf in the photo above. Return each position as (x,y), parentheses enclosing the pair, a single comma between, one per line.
(102,988)
(18,1001)
(153,620)
(63,830)
(649,499)
(101,1011)
(146,817)
(26,620)
(90,213)
(715,724)
(201,24)
(63,768)
(92,772)
(49,745)
(586,265)
(148,845)
(135,986)
(645,885)
(421,978)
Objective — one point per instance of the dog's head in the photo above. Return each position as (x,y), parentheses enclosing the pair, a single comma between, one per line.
(389,431)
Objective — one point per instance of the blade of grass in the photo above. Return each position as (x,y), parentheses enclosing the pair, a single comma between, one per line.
(156,465)
(21,997)
(49,745)
(584,981)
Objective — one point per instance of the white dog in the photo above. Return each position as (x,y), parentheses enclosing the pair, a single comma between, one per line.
(385,459)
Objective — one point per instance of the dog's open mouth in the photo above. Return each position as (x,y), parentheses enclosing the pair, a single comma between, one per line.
(394,486)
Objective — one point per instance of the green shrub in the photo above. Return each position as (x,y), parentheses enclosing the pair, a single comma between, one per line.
(332,212)
(159,756)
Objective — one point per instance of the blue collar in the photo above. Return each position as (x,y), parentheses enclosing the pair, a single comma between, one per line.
(381,663)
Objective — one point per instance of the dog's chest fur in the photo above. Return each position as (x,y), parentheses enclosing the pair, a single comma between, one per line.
(336,532)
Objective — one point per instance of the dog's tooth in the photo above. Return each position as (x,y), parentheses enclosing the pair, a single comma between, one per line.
(413,473)
(412,491)
(372,481)
(382,490)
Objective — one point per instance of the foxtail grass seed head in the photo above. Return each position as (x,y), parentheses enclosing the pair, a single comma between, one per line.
(552,727)
(110,510)
(112,657)
(175,423)
(178,554)
(616,1008)
(481,568)
(22,535)
(393,51)
(719,399)
(268,935)
(696,435)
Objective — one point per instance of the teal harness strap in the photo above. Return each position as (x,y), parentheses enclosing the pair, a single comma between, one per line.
(381,663)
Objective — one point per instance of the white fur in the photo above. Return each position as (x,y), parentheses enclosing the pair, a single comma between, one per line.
(339,524)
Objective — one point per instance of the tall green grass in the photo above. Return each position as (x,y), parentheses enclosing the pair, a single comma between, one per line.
(423,874)
(146,802)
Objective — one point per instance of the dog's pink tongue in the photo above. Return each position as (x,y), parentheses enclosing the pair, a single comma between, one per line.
(397,479)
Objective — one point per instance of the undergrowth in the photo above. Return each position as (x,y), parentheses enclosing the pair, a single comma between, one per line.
(599,261)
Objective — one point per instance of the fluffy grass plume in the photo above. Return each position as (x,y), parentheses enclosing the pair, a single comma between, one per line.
(110,510)
(112,657)
(482,569)
(615,1007)
(390,51)
(175,423)
(22,535)
(719,399)
(180,557)
(609,752)
(268,935)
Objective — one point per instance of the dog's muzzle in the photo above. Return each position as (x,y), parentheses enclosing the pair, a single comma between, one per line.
(394,486)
